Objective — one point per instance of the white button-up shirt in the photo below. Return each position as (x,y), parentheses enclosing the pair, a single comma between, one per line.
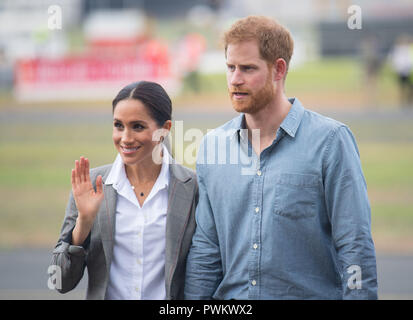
(138,261)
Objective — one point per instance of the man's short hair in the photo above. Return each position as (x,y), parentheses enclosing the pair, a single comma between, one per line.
(274,40)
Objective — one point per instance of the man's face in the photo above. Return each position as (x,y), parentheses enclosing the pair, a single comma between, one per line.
(249,79)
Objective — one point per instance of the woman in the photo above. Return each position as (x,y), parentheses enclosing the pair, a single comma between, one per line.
(131,222)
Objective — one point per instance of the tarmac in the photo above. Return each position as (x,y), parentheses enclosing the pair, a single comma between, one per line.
(23,272)
(23,276)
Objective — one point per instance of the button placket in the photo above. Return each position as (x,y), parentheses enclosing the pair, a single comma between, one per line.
(255,251)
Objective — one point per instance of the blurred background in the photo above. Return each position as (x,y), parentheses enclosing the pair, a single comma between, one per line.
(63,61)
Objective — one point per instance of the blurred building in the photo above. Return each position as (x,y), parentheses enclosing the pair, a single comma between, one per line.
(24,33)
(116,30)
(24,28)
(321,25)
(160,9)
(382,22)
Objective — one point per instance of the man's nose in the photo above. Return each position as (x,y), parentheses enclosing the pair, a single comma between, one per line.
(236,78)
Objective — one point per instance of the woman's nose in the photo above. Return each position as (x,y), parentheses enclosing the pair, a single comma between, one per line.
(127,136)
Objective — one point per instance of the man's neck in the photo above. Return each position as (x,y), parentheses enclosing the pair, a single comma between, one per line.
(267,120)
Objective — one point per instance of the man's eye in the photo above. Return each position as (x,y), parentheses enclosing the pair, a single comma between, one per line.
(117,125)
(231,68)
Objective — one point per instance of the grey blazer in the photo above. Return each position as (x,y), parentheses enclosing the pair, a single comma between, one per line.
(97,254)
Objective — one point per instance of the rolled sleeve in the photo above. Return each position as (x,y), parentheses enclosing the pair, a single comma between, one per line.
(70,259)
(204,268)
(349,211)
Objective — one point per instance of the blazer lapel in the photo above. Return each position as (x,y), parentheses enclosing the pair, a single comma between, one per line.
(181,189)
(107,221)
(180,199)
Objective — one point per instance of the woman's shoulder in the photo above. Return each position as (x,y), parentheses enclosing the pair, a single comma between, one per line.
(100,171)
(181,172)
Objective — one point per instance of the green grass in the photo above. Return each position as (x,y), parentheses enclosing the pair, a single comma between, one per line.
(31,216)
(381,131)
(326,83)
(36,159)
(388,169)
(325,75)
(328,74)
(42,155)
(35,178)
(344,74)
(388,165)
(392,217)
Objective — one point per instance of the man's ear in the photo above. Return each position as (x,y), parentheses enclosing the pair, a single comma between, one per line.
(279,69)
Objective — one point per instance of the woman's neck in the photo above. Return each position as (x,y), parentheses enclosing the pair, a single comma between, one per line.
(145,171)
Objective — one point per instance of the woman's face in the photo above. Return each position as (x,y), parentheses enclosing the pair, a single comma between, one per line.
(134,131)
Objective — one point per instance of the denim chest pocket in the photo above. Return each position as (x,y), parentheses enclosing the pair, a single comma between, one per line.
(296,195)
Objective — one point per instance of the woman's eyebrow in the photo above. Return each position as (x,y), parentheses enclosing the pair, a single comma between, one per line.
(131,122)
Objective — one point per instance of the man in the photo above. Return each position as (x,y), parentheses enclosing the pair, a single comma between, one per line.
(294,221)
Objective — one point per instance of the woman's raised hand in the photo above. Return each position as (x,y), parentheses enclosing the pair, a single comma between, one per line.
(87,199)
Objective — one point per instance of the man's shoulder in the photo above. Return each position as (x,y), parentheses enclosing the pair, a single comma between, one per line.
(318,127)
(228,127)
(317,121)
(217,142)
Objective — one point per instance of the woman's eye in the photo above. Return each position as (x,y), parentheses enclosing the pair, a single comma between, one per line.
(138,127)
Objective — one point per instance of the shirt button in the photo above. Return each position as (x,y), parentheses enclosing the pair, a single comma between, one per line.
(257,209)
(137,289)
(259,172)
(253,282)
(255,246)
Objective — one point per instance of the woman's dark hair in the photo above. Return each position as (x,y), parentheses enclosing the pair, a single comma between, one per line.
(152,95)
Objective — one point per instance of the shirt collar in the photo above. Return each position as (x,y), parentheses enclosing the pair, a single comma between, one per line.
(293,119)
(163,177)
(290,124)
(117,174)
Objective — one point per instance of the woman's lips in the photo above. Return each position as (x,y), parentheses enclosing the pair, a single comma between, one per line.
(129,150)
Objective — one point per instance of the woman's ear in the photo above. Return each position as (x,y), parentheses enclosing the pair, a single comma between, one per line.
(161,133)
(167,125)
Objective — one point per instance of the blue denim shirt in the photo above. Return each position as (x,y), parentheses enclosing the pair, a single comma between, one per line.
(293,223)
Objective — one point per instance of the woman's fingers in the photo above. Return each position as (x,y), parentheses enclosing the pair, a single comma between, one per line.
(87,176)
(77,171)
(82,169)
(73,179)
(99,185)
(81,172)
